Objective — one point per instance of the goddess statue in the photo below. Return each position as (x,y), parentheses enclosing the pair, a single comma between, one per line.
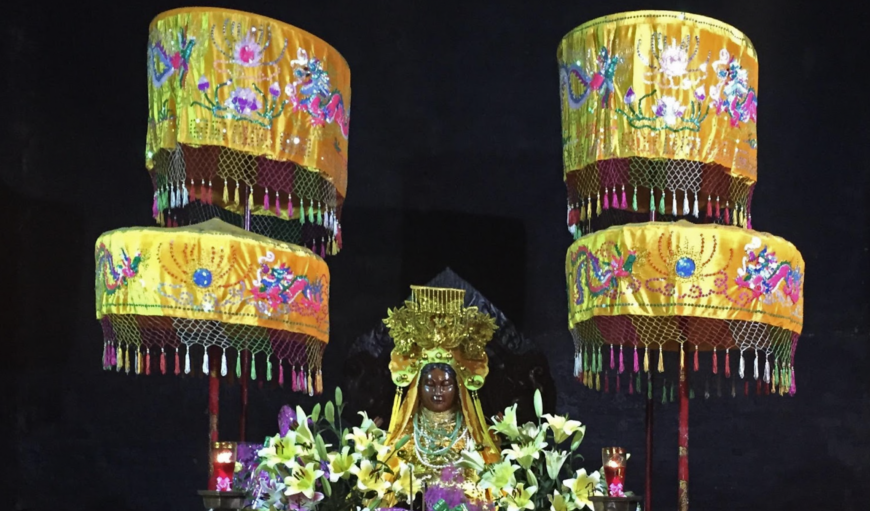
(438,364)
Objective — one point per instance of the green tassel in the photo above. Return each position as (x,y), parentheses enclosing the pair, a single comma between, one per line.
(253,368)
(239,364)
(585,360)
(652,200)
(302,211)
(599,359)
(311,212)
(268,368)
(319,215)
(662,203)
(634,199)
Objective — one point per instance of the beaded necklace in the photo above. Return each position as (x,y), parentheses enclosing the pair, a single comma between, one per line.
(433,438)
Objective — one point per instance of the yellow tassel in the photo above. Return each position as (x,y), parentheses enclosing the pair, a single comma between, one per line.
(588,208)
(646,359)
(598,204)
(127,361)
(251,196)
(120,358)
(319,381)
(682,357)
(661,360)
(226,193)
(236,194)
(597,381)
(582,212)
(138,362)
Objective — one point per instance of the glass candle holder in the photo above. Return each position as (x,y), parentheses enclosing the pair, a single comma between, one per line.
(613,459)
(223,464)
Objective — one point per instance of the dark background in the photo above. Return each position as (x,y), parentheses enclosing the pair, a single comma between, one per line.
(454,161)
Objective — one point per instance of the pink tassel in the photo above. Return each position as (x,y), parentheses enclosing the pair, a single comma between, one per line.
(749,221)
(147,361)
(289,207)
(177,363)
(621,362)
(191,192)
(727,216)
(202,191)
(105,355)
(636,365)
(696,358)
(323,248)
(612,359)
(281,373)
(793,387)
(293,376)
(154,210)
(715,362)
(208,197)
(266,204)
(624,202)
(727,364)
(303,384)
(615,200)
(718,213)
(709,207)
(162,362)
(277,204)
(606,200)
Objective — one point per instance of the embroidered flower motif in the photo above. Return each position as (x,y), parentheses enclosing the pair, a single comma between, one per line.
(669,109)
(275,89)
(248,51)
(203,84)
(699,93)
(243,100)
(674,60)
(629,96)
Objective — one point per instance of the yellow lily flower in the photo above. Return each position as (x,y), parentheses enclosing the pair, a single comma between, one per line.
(520,498)
(524,454)
(558,502)
(582,486)
(562,427)
(302,480)
(368,479)
(500,477)
(340,464)
(404,483)
(280,451)
(555,460)
(360,439)
(507,426)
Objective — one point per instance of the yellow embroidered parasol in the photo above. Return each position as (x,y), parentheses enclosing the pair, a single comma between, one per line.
(248,121)
(662,107)
(211,287)
(659,115)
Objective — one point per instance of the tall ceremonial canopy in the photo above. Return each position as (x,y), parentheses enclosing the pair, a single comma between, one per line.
(659,140)
(244,109)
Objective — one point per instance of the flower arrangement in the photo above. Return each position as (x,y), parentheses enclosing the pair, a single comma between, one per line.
(298,470)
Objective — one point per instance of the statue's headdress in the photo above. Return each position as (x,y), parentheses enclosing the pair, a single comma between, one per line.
(435,326)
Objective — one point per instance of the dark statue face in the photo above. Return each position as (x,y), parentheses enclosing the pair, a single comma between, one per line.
(438,390)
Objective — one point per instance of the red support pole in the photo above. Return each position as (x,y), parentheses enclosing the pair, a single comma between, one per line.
(683,493)
(214,387)
(246,370)
(649,444)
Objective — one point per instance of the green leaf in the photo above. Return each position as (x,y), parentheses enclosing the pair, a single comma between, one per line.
(338,397)
(315,413)
(329,412)
(327,488)
(577,440)
(539,403)
(401,443)
(533,481)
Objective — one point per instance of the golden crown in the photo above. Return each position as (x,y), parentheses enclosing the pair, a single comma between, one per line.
(436,326)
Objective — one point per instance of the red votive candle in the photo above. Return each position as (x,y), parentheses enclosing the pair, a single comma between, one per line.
(223,466)
(613,459)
